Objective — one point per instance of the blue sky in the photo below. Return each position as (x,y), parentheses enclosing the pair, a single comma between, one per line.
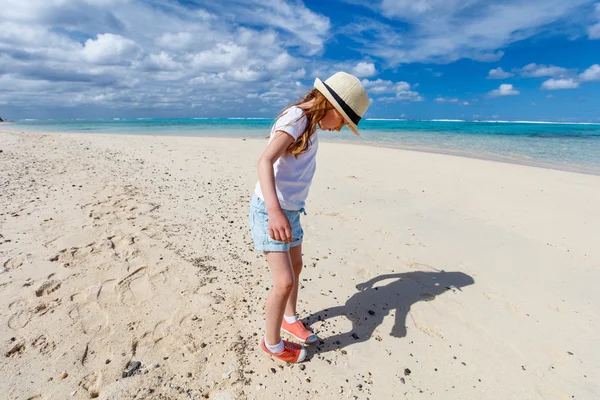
(418,59)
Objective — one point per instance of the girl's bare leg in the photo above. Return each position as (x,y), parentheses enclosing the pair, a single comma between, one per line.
(296,258)
(283,283)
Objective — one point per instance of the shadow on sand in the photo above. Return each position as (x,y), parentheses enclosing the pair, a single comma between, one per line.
(367,308)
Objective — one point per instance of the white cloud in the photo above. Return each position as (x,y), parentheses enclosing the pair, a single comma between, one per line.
(534,70)
(364,70)
(557,84)
(499,73)
(307,29)
(110,49)
(505,89)
(223,56)
(159,54)
(590,74)
(402,90)
(446,100)
(443,31)
(594,30)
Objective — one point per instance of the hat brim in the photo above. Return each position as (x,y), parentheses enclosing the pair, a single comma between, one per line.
(321,88)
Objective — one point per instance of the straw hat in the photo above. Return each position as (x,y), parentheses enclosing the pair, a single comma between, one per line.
(347,95)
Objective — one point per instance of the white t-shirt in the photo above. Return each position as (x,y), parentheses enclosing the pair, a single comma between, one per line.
(293,176)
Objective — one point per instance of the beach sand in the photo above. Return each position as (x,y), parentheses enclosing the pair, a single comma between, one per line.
(427,275)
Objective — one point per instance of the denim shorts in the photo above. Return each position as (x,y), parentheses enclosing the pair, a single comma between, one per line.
(259,226)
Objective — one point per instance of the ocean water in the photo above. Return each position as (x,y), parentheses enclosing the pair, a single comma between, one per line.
(574,147)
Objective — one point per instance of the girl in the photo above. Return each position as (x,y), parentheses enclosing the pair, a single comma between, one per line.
(285,172)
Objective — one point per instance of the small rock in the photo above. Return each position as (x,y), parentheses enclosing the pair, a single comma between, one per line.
(307,380)
(63,375)
(302,367)
(273,370)
(107,361)
(371,312)
(132,369)
(402,380)
(189,374)
(406,372)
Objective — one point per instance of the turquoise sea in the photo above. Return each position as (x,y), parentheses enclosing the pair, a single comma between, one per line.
(567,146)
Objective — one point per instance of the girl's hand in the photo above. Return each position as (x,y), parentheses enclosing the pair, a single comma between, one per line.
(279,226)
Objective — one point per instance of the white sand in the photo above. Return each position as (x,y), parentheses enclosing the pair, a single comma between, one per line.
(481,277)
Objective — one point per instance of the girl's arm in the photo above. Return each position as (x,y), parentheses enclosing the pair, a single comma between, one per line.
(279,226)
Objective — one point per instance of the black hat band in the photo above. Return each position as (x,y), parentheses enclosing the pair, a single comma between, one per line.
(349,111)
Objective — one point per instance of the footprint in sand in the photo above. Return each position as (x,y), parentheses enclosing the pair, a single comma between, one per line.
(91,382)
(23,311)
(70,257)
(152,232)
(141,288)
(161,330)
(108,292)
(172,333)
(90,316)
(44,345)
(136,286)
(47,288)
(14,263)
(421,323)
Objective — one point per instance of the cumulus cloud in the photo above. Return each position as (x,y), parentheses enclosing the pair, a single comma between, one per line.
(160,55)
(110,49)
(534,70)
(401,90)
(499,73)
(443,31)
(505,89)
(557,84)
(591,74)
(364,70)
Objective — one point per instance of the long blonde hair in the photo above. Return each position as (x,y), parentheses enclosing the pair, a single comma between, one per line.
(313,115)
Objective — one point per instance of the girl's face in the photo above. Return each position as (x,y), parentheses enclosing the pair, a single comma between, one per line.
(332,121)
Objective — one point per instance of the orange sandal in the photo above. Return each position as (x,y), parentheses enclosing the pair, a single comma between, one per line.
(298,331)
(292,352)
